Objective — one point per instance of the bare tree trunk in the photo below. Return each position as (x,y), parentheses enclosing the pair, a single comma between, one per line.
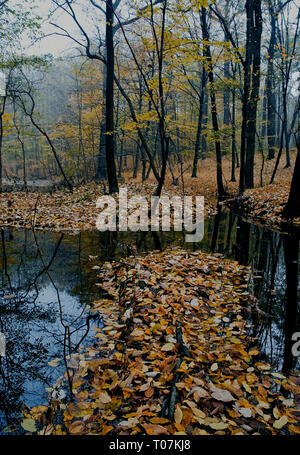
(251,92)
(1,140)
(233,138)
(121,157)
(252,107)
(200,122)
(23,149)
(207,54)
(270,86)
(109,131)
(101,173)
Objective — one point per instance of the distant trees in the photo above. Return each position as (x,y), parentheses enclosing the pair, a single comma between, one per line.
(14,20)
(27,102)
(105,167)
(287,56)
(167,84)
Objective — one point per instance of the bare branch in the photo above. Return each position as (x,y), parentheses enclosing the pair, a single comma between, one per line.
(228,33)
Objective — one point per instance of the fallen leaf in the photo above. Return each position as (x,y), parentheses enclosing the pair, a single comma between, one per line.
(168,347)
(222,395)
(77,427)
(178,415)
(280,423)
(104,398)
(154,430)
(29,425)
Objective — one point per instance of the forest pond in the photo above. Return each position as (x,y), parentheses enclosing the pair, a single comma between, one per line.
(48,282)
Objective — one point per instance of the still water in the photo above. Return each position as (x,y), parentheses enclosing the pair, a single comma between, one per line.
(47,283)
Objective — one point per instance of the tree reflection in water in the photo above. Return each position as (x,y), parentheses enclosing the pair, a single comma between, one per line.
(274,260)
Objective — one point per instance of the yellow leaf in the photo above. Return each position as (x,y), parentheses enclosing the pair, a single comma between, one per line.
(29,425)
(280,423)
(199,413)
(168,347)
(246,387)
(178,415)
(218,426)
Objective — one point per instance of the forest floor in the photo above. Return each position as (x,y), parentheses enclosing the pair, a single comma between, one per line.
(263,204)
(175,356)
(65,212)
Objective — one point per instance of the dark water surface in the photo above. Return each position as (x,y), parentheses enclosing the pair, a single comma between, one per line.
(47,283)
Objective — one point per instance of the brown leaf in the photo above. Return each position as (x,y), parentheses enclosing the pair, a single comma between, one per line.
(222,395)
(154,430)
(77,427)
(104,398)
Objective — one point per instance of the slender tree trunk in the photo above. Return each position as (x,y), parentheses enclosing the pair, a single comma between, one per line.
(121,157)
(251,92)
(140,132)
(287,141)
(138,148)
(137,159)
(252,113)
(270,87)
(101,173)
(23,149)
(1,141)
(200,121)
(226,98)
(110,64)
(207,54)
(233,141)
(204,123)
(164,139)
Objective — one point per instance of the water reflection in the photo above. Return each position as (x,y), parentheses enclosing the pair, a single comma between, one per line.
(274,261)
(48,283)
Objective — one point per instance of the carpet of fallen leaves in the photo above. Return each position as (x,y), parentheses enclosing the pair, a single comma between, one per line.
(266,204)
(175,356)
(66,212)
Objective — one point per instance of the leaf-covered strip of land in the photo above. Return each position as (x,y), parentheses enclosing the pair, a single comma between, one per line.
(266,204)
(175,356)
(67,212)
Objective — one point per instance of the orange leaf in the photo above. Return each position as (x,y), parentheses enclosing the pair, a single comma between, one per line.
(106,429)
